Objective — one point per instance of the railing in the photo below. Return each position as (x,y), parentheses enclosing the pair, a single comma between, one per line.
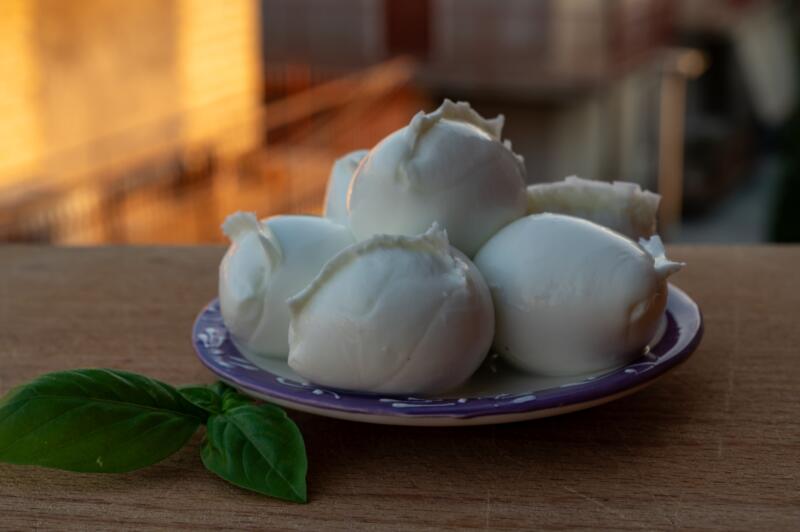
(146,195)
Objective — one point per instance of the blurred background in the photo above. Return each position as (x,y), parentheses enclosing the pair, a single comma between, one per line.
(149,121)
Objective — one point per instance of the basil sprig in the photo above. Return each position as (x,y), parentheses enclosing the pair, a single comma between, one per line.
(255,447)
(109,421)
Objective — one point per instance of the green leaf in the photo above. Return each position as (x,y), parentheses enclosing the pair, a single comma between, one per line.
(95,420)
(232,398)
(219,387)
(257,448)
(203,397)
(215,398)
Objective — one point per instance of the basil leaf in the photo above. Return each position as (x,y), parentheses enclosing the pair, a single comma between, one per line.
(231,398)
(257,448)
(215,398)
(95,420)
(203,397)
(219,387)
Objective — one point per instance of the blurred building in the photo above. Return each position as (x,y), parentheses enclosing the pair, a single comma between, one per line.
(96,89)
(93,82)
(149,121)
(146,121)
(581,82)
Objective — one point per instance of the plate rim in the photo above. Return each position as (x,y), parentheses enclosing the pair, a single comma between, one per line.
(454,421)
(615,384)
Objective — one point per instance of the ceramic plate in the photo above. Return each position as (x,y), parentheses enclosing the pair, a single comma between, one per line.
(497,393)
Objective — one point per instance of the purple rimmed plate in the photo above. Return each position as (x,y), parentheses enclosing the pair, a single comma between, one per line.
(497,393)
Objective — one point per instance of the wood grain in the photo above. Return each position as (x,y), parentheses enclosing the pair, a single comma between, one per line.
(714,445)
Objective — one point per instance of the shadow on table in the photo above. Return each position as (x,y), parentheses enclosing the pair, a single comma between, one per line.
(603,441)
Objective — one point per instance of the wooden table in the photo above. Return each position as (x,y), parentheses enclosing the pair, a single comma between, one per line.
(715,444)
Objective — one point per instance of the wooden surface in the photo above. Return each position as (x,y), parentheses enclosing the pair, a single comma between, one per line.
(713,445)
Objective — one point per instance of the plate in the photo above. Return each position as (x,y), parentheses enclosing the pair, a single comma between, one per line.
(497,393)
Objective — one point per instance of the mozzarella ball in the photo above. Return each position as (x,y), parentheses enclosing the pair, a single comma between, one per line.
(623,207)
(339,183)
(449,167)
(573,297)
(266,263)
(393,314)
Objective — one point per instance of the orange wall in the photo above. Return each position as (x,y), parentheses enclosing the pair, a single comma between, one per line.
(88,85)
